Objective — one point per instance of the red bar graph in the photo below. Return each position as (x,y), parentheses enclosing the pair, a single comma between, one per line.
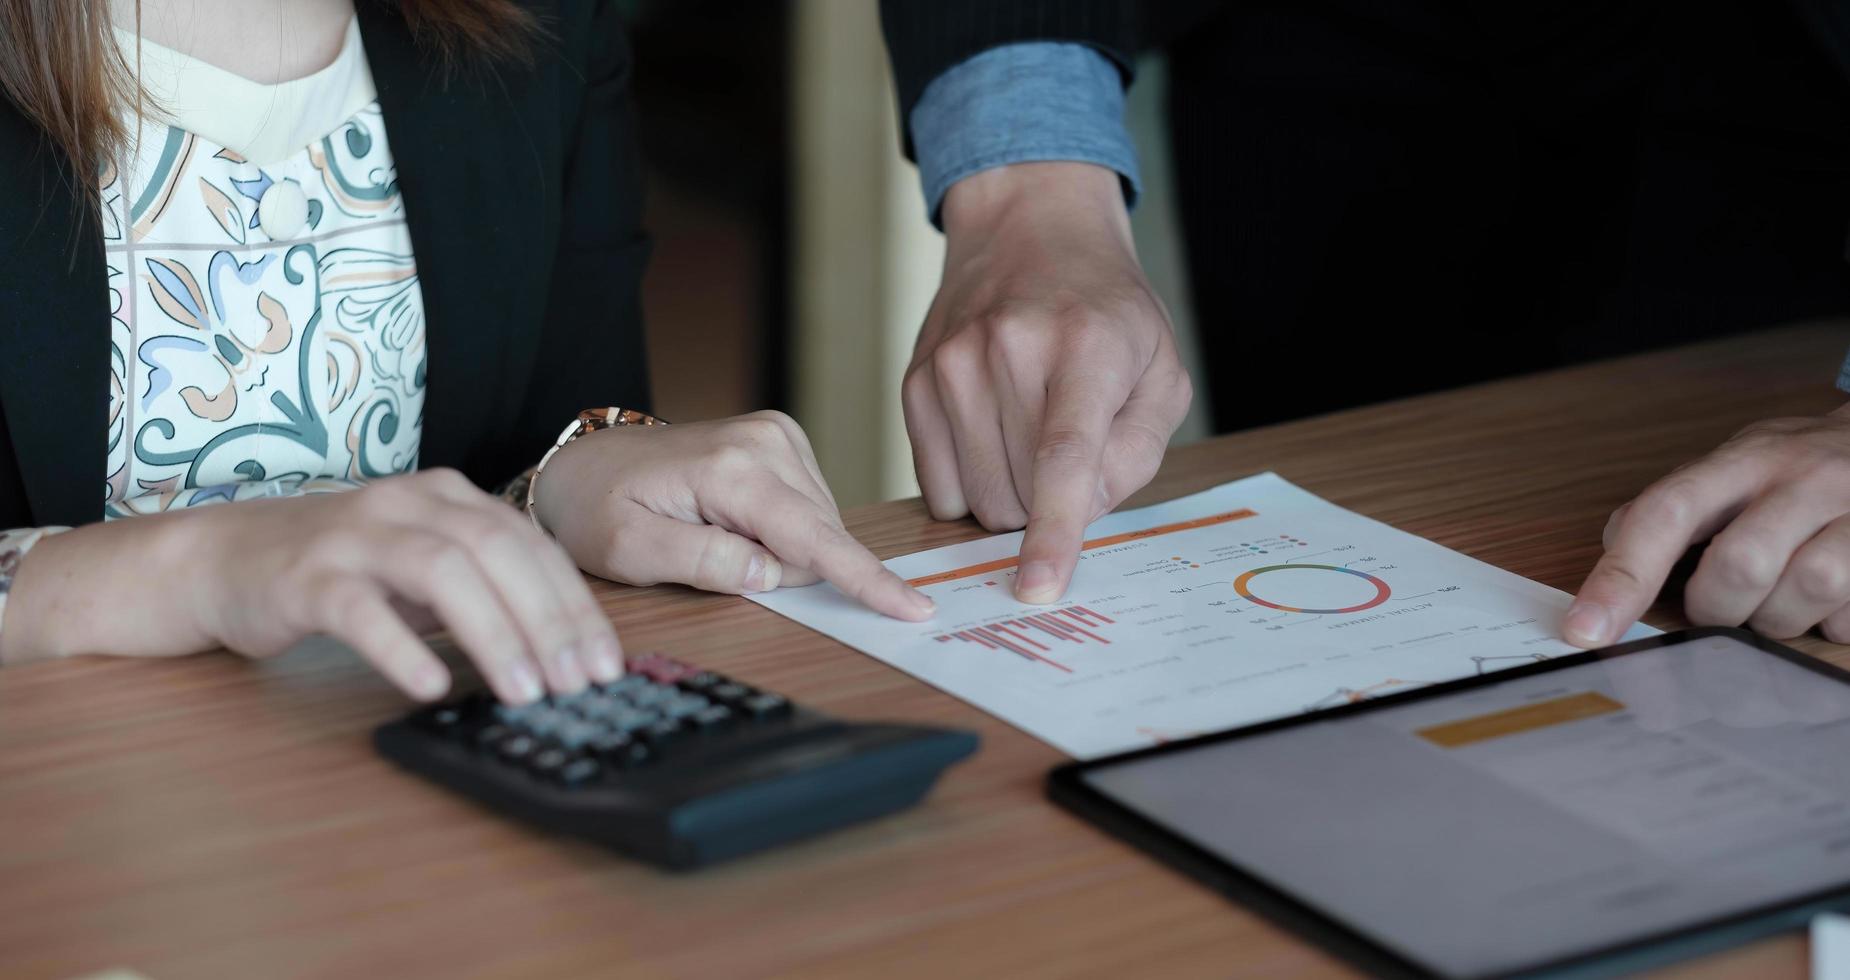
(1033,636)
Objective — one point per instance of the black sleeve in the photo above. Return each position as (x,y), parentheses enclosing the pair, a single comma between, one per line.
(591,353)
(924,38)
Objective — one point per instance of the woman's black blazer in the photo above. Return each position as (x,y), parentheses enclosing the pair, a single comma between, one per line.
(522,192)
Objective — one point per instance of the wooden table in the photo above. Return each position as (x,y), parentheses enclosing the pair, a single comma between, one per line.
(209,816)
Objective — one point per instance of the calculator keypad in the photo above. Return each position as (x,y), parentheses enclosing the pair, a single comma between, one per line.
(577,739)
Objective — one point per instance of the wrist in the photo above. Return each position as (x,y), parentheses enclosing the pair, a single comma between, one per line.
(552,485)
(1064,190)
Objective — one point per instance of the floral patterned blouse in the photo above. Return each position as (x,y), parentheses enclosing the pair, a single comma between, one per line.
(267,331)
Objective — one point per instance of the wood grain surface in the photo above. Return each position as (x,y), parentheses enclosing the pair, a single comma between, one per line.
(215,817)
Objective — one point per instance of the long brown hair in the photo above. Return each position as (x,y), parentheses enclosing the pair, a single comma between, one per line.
(61,66)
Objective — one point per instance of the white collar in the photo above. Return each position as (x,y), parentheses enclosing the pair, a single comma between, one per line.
(265,124)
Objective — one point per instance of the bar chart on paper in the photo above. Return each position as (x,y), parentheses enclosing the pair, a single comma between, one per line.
(1035,635)
(1243,603)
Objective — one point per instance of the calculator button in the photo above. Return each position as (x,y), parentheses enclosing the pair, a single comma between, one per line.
(491,735)
(547,720)
(444,719)
(629,756)
(574,700)
(575,734)
(684,705)
(548,761)
(730,691)
(648,697)
(579,771)
(630,720)
(700,682)
(517,746)
(608,741)
(764,705)
(710,718)
(662,732)
(664,670)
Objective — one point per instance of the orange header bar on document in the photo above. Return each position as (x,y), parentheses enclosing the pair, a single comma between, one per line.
(969,571)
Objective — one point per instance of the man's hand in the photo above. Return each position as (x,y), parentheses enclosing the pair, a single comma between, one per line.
(1775,499)
(1046,382)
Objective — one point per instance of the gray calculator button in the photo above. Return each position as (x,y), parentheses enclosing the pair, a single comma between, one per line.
(652,695)
(579,771)
(631,720)
(576,733)
(517,746)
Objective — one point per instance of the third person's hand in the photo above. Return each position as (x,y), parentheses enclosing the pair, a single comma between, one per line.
(1774,505)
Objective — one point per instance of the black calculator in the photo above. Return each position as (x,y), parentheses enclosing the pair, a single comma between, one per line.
(672,764)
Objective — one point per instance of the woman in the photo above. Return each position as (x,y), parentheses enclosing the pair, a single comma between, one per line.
(225,225)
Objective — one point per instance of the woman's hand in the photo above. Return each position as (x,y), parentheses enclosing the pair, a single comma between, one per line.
(736,505)
(1774,504)
(372,567)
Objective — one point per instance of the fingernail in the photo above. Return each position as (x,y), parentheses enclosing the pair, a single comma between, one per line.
(1037,583)
(429,682)
(525,681)
(763,574)
(602,658)
(1587,625)
(924,603)
(571,673)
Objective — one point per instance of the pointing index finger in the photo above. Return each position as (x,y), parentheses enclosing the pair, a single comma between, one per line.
(801,534)
(1646,542)
(1068,485)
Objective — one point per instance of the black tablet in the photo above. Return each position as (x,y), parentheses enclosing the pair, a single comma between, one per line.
(1588,815)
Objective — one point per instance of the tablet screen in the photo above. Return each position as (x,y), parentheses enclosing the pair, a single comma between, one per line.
(1517,824)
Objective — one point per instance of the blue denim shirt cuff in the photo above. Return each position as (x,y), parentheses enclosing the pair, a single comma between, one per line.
(1843,375)
(1034,101)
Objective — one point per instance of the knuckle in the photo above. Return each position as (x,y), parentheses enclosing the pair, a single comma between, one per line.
(1182,389)
(1743,563)
(1016,336)
(444,477)
(998,515)
(757,431)
(444,560)
(1671,503)
(337,600)
(1142,441)
(1064,444)
(917,390)
(959,359)
(386,496)
(783,422)
(731,461)
(1820,577)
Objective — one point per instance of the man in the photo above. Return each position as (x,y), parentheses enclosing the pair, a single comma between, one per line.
(1382,197)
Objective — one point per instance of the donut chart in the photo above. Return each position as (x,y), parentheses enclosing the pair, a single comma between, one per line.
(1243,585)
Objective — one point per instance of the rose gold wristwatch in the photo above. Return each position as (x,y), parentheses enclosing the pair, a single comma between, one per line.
(588,421)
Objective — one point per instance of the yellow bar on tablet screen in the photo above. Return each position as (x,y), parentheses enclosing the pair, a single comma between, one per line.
(1511,721)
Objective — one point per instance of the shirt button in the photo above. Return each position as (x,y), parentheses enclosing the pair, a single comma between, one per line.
(283,211)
